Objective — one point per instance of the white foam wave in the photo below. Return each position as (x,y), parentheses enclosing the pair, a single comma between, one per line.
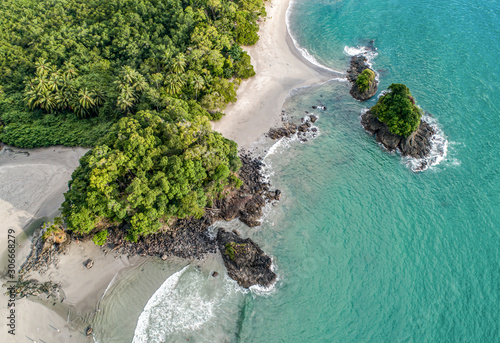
(300,49)
(271,289)
(439,149)
(369,53)
(175,308)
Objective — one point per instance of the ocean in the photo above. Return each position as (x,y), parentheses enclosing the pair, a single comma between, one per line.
(366,249)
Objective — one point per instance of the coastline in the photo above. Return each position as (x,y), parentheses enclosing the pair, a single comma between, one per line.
(280,68)
(42,176)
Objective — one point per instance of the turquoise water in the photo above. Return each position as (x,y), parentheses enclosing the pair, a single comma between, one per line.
(366,250)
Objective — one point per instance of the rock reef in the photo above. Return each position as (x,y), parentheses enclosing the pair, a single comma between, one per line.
(358,65)
(244,260)
(417,145)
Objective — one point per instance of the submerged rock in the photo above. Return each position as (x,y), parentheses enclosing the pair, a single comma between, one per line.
(417,145)
(358,65)
(244,260)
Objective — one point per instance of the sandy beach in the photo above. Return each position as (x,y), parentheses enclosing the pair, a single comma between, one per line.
(34,181)
(279,68)
(31,191)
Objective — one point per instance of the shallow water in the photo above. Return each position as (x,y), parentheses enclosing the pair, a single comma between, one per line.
(366,250)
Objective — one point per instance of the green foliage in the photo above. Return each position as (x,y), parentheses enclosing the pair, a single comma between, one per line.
(147,170)
(365,79)
(230,251)
(54,231)
(100,237)
(232,248)
(33,130)
(107,59)
(398,110)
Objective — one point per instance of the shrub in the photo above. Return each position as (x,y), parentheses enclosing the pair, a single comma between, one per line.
(100,237)
(365,79)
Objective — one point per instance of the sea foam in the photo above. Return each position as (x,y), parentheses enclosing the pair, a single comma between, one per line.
(439,149)
(301,50)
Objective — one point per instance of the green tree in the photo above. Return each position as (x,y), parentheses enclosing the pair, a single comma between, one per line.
(398,110)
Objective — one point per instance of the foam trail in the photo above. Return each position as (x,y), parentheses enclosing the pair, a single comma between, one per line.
(439,149)
(300,49)
(149,314)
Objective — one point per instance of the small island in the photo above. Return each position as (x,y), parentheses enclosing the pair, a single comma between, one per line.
(396,121)
(362,78)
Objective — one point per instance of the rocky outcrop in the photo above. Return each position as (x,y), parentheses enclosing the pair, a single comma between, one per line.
(244,260)
(417,145)
(358,64)
(42,255)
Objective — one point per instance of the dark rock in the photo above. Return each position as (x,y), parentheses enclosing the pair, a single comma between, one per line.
(277,194)
(253,211)
(417,145)
(245,261)
(286,131)
(315,107)
(215,274)
(313,118)
(89,263)
(358,65)
(305,127)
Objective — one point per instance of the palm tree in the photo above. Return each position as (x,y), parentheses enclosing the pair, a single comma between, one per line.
(45,100)
(178,64)
(42,67)
(126,99)
(70,72)
(198,84)
(64,97)
(173,84)
(84,103)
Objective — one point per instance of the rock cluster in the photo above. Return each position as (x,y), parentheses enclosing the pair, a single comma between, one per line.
(43,254)
(49,289)
(289,128)
(358,64)
(417,145)
(244,260)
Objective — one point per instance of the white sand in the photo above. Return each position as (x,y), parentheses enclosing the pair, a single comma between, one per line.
(280,68)
(32,187)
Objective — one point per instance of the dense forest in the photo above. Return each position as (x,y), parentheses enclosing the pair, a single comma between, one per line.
(69,69)
(138,80)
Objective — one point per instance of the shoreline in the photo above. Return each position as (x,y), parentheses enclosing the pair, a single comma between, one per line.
(260,98)
(41,176)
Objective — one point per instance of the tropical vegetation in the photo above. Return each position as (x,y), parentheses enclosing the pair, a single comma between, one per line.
(137,80)
(76,67)
(365,79)
(397,108)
